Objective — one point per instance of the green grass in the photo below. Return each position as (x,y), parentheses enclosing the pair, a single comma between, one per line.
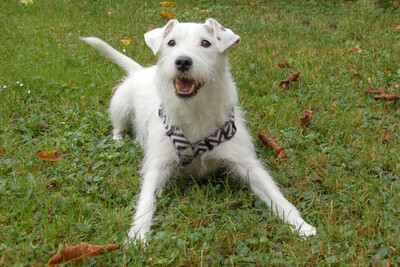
(54,95)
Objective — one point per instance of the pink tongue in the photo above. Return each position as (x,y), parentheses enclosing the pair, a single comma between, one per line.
(185,85)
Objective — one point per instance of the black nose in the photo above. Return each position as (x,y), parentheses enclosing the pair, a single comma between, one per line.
(183,63)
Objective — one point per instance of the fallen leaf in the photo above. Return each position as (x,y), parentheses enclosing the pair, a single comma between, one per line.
(271,143)
(83,250)
(355,49)
(387,70)
(284,84)
(167,4)
(317,180)
(333,26)
(382,95)
(27,2)
(271,112)
(167,14)
(266,44)
(126,41)
(284,64)
(53,184)
(373,92)
(305,23)
(386,136)
(388,97)
(50,155)
(307,118)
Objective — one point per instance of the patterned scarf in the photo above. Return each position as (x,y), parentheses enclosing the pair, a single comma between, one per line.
(226,132)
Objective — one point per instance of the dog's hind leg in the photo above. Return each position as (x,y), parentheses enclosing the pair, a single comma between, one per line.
(120,115)
(242,161)
(264,187)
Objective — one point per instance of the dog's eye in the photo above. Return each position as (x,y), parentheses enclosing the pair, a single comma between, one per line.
(172,43)
(205,43)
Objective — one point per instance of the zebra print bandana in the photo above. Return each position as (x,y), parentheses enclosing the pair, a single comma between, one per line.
(226,132)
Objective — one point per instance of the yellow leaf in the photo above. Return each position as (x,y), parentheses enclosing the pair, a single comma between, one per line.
(126,41)
(167,4)
(355,49)
(334,105)
(167,14)
(271,112)
(26,2)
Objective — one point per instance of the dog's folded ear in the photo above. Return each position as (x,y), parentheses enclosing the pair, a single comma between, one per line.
(224,38)
(154,37)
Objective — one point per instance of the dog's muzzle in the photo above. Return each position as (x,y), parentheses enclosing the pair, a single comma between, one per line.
(186,86)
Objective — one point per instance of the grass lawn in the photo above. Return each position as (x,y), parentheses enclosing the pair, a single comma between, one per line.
(340,173)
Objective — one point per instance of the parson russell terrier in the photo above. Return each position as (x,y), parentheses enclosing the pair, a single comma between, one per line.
(184,113)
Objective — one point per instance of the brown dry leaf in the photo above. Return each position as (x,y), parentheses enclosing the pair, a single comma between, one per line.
(305,23)
(83,250)
(284,84)
(388,97)
(387,70)
(167,4)
(52,155)
(373,92)
(284,64)
(355,49)
(333,26)
(271,143)
(52,184)
(386,136)
(307,118)
(167,14)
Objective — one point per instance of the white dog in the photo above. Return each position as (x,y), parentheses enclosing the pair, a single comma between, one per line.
(185,115)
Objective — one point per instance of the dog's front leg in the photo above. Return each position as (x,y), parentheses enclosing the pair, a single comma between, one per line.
(154,178)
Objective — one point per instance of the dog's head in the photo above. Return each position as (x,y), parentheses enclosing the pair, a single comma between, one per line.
(190,55)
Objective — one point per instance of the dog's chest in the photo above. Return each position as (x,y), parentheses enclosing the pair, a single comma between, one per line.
(201,166)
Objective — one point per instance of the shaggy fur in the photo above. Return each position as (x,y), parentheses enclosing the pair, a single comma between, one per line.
(138,98)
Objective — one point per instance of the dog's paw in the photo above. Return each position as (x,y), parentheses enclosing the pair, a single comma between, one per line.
(136,237)
(306,230)
(118,137)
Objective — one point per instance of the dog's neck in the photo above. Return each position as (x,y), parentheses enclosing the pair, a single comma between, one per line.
(205,112)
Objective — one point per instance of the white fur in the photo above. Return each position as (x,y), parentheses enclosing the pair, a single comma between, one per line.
(139,97)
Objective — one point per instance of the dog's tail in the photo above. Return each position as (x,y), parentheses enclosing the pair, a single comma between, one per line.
(118,58)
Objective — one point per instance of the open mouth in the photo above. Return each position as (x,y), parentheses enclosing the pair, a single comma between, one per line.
(186,87)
